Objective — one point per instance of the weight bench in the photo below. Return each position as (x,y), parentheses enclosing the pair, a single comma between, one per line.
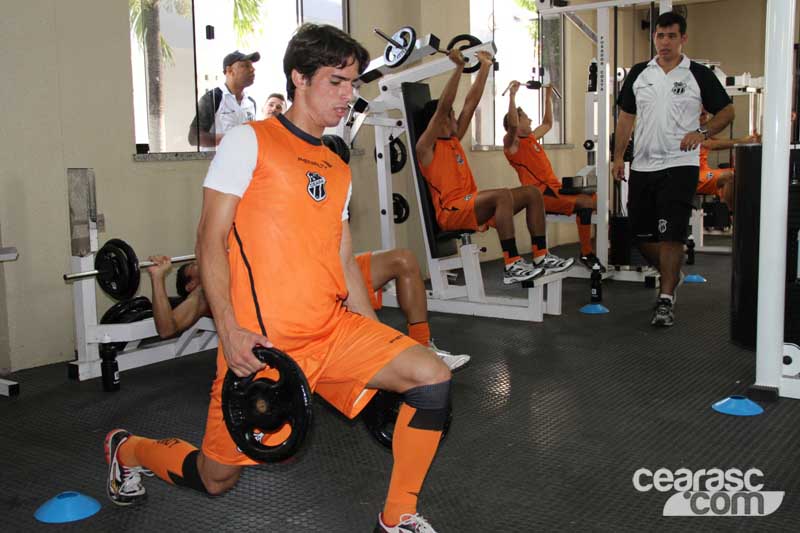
(449,251)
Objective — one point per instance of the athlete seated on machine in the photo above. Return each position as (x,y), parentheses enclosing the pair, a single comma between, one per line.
(718,181)
(528,158)
(377,269)
(458,203)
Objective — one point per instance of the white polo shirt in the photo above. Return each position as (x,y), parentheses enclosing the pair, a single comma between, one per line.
(231,113)
(667,107)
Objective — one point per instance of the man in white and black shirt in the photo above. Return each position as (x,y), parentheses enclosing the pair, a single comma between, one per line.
(227,106)
(664,97)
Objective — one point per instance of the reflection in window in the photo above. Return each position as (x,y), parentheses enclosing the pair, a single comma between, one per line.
(514,28)
(177,50)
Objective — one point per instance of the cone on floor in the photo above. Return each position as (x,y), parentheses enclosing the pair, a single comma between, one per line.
(68,506)
(737,406)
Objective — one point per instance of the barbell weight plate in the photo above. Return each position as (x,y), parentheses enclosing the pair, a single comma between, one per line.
(400,207)
(380,415)
(253,407)
(115,313)
(118,269)
(395,56)
(399,155)
(462,42)
(338,146)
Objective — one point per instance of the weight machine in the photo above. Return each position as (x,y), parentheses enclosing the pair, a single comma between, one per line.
(85,224)
(543,295)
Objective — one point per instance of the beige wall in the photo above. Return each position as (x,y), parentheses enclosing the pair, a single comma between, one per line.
(67,71)
(66,67)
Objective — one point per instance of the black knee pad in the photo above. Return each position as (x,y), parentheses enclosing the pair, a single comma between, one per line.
(584,215)
(191,477)
(432,403)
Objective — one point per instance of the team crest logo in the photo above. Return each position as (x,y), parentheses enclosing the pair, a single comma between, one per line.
(316,186)
(709,175)
(678,88)
(536,148)
(467,198)
(459,159)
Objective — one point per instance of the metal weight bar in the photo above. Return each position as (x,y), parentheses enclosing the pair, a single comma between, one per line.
(143,264)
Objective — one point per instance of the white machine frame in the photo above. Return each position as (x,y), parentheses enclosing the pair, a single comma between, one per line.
(89,334)
(543,297)
(8,387)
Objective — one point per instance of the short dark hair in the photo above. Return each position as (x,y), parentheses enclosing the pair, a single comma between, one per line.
(320,45)
(667,19)
(279,96)
(426,115)
(182,279)
(505,119)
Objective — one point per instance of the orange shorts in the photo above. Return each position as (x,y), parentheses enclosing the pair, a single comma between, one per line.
(461,215)
(709,180)
(560,204)
(338,368)
(365,264)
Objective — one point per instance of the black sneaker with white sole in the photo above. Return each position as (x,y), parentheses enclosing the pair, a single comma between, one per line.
(664,316)
(124,484)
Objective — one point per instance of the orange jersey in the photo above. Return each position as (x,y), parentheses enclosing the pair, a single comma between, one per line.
(703,157)
(532,165)
(449,177)
(284,246)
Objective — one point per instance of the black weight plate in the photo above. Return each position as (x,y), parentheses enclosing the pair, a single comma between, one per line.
(118,269)
(395,56)
(380,415)
(462,42)
(254,407)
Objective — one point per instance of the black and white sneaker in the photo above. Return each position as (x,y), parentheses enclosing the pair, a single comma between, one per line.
(409,523)
(124,485)
(553,263)
(590,260)
(663,316)
(520,270)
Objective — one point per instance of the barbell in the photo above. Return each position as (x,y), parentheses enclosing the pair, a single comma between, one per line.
(117,269)
(401,44)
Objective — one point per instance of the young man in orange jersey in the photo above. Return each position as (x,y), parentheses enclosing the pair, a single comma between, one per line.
(458,203)
(276,262)
(718,181)
(524,153)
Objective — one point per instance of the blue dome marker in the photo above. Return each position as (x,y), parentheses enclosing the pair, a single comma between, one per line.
(737,406)
(68,506)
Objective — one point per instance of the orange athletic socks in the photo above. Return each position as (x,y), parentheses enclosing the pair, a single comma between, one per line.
(510,253)
(585,236)
(173,460)
(420,332)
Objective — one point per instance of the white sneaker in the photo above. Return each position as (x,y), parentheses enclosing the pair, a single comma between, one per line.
(409,523)
(520,270)
(553,263)
(124,484)
(453,362)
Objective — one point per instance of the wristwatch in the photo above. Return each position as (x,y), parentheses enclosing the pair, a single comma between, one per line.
(704,131)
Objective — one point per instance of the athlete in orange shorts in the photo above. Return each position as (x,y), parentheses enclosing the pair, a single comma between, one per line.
(528,158)
(274,212)
(458,203)
(718,181)
(400,265)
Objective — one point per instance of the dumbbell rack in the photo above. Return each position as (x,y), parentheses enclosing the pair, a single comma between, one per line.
(89,334)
